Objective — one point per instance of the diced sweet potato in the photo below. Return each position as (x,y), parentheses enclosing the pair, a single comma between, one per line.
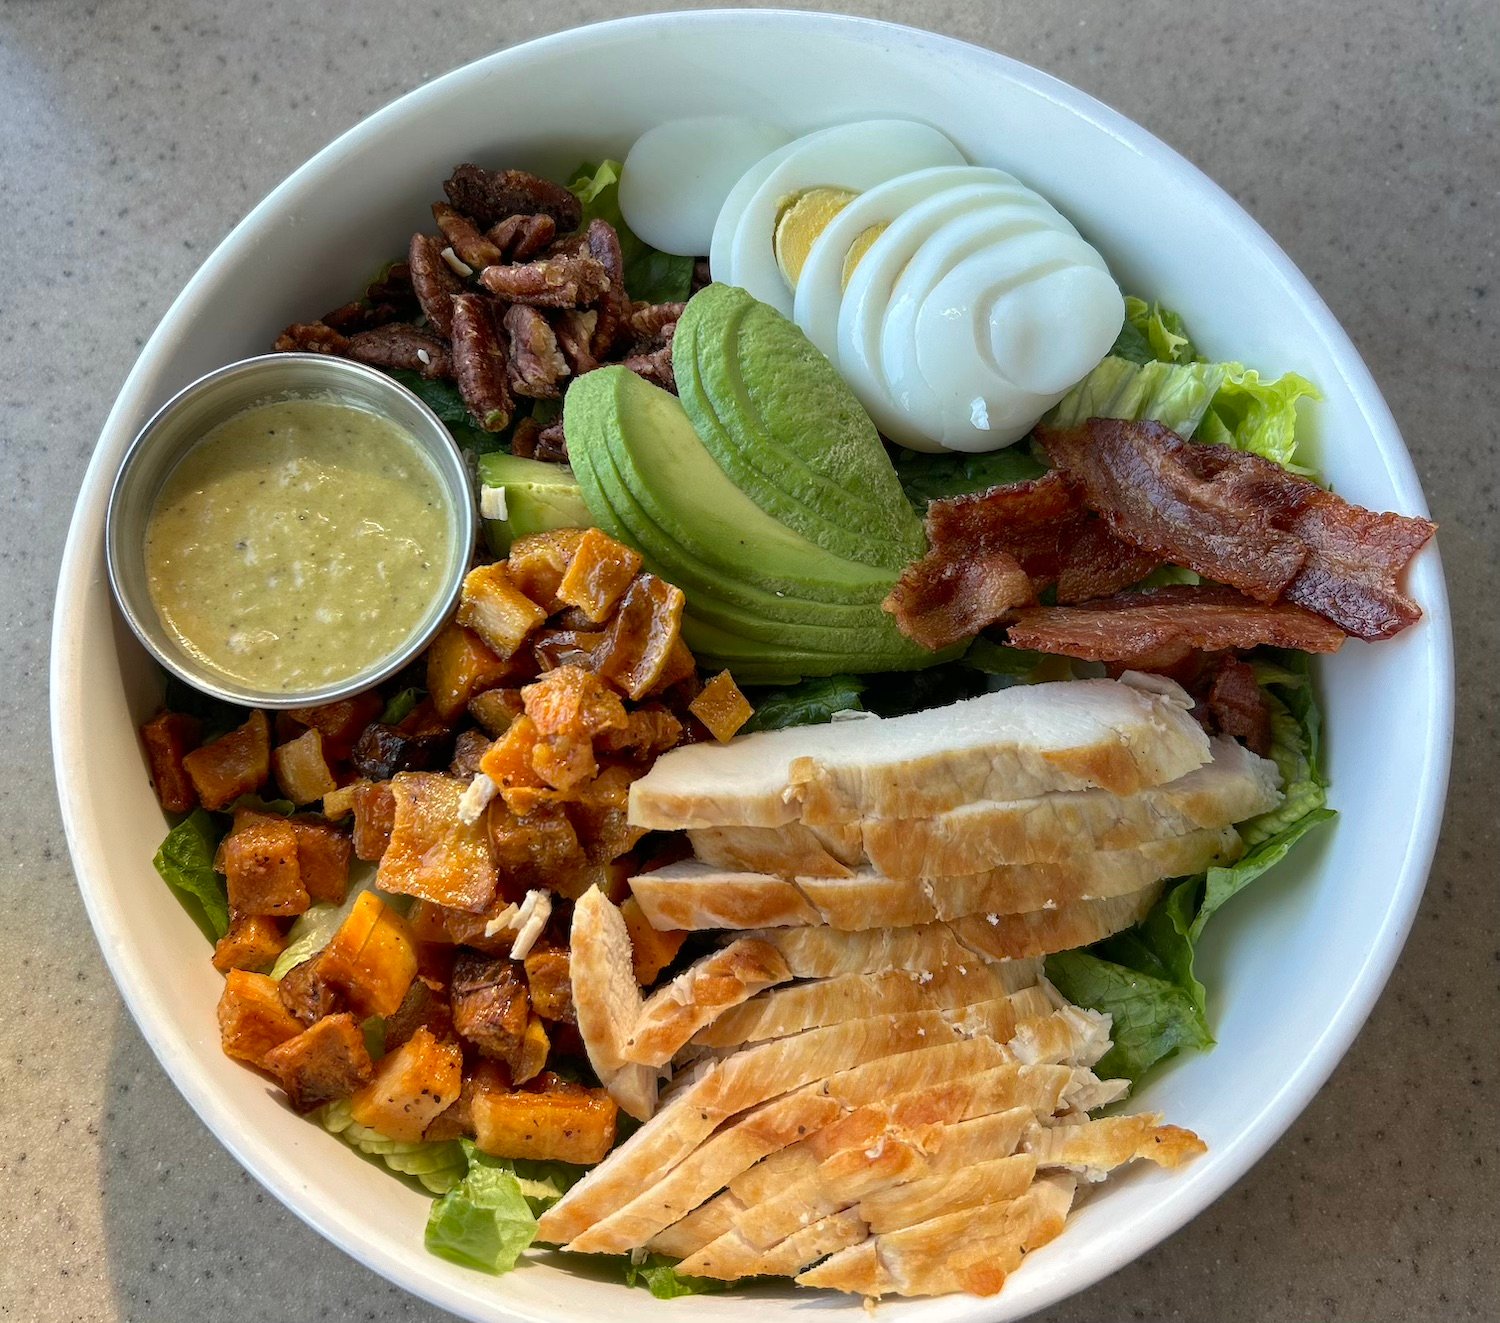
(537,850)
(566,647)
(599,575)
(651,951)
(539,561)
(169,737)
(564,761)
(424,1007)
(411,1086)
(564,1124)
(550,980)
(531,1056)
(468,752)
(460,665)
(497,610)
(573,702)
(436,923)
(457,1121)
(301,770)
(419,743)
(323,858)
(508,762)
(372,958)
(259,859)
(639,641)
(600,814)
(433,855)
(252,1020)
(374,807)
(252,941)
(649,731)
(235,764)
(307,996)
(721,707)
(322,1063)
(490,1004)
(340,723)
(681,668)
(339,804)
(495,709)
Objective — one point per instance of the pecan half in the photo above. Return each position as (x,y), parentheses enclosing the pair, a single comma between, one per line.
(551,444)
(479,362)
(395,288)
(652,323)
(603,245)
(492,195)
(353,317)
(520,237)
(655,367)
(575,329)
(536,367)
(434,280)
(559,280)
(464,238)
(701,276)
(399,345)
(311,338)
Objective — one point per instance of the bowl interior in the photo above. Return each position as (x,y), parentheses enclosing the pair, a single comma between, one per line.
(1294,965)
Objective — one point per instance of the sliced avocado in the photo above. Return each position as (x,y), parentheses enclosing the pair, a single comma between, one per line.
(787,428)
(538,497)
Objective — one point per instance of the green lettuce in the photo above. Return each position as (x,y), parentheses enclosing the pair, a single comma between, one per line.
(440,1166)
(650,274)
(185,861)
(1152,333)
(808,703)
(485,1221)
(659,1275)
(1177,395)
(927,477)
(443,398)
(1259,416)
(400,704)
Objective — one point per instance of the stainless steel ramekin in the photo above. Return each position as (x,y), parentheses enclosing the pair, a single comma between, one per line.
(184,420)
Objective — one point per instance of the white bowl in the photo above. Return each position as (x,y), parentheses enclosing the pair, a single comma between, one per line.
(1294,965)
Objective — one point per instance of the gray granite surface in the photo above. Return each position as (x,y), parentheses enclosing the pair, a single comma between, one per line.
(135,133)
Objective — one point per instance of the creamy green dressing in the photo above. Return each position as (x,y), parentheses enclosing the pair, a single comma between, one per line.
(298,543)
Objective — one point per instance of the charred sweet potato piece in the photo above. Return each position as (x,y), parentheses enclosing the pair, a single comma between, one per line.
(235,764)
(374,805)
(372,958)
(468,752)
(425,1007)
(565,1123)
(410,1087)
(639,641)
(252,1019)
(433,854)
(413,746)
(539,561)
(302,770)
(437,924)
(497,609)
(169,737)
(600,812)
(600,572)
(508,762)
(252,941)
(495,709)
(457,1121)
(681,669)
(550,980)
(322,858)
(649,731)
(651,951)
(721,707)
(531,1055)
(260,863)
(540,849)
(306,995)
(460,664)
(324,1062)
(491,1006)
(566,647)
(340,723)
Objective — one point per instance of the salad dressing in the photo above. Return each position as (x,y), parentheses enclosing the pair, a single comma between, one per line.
(298,543)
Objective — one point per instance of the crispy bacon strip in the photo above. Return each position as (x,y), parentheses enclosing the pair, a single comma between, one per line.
(1237,705)
(1095,562)
(952,593)
(1159,627)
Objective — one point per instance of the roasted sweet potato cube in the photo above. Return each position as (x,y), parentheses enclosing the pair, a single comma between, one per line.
(566,647)
(649,731)
(252,941)
(457,1121)
(600,814)
(721,707)
(468,752)
(508,762)
(424,1007)
(323,857)
(372,958)
(324,1062)
(252,1019)
(340,723)
(339,804)
(599,575)
(550,980)
(437,924)
(302,770)
(235,764)
(539,561)
(260,862)
(571,701)
(681,669)
(169,737)
(539,849)
(497,610)
(651,951)
(434,855)
(307,996)
(495,709)
(567,1124)
(531,1056)
(410,1087)
(638,643)
(374,806)
(460,665)
(490,1004)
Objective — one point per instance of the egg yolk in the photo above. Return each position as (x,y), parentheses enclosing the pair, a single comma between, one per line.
(800,223)
(861,245)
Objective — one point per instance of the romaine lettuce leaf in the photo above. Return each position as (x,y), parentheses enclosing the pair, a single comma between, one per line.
(439,1166)
(485,1221)
(659,1275)
(1152,333)
(1259,416)
(808,703)
(1177,395)
(185,860)
(400,704)
(650,274)
(927,477)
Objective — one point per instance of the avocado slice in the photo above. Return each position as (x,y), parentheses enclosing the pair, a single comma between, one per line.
(538,498)
(787,428)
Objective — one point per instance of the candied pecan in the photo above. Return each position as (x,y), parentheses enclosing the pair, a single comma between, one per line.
(311,338)
(536,367)
(559,280)
(523,438)
(655,367)
(575,329)
(398,345)
(520,237)
(603,245)
(479,360)
(701,276)
(493,195)
(349,317)
(649,322)
(393,288)
(434,281)
(551,445)
(464,237)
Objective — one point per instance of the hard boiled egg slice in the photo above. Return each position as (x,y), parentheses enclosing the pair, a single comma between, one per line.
(849,157)
(677,176)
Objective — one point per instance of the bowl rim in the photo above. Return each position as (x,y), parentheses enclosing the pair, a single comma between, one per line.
(1233,1156)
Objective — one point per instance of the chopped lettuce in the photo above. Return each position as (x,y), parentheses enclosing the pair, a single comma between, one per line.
(808,703)
(440,1166)
(1259,416)
(650,274)
(185,861)
(1152,333)
(1177,395)
(927,477)
(659,1275)
(399,706)
(485,1221)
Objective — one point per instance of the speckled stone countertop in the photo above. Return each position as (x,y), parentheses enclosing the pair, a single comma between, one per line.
(134,134)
